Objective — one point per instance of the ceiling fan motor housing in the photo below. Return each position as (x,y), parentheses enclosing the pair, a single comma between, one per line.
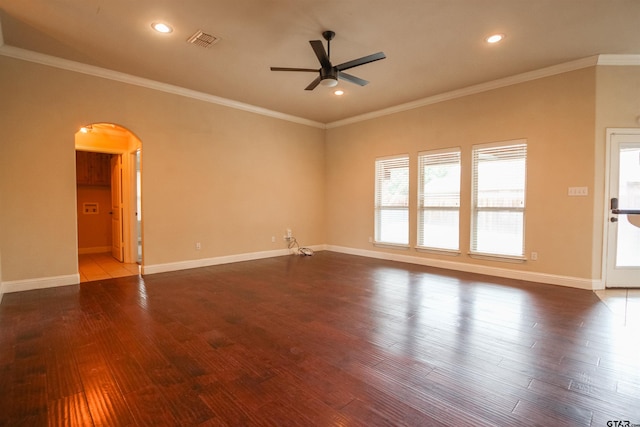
(329,73)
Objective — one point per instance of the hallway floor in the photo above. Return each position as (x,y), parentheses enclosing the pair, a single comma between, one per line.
(104,266)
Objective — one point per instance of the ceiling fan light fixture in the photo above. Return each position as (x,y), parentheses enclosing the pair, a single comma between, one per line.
(329,82)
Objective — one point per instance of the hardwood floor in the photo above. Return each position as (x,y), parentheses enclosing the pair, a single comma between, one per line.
(623,303)
(331,339)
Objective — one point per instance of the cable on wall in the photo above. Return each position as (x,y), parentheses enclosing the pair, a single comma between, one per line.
(294,246)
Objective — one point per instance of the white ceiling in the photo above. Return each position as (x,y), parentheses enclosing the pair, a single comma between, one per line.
(432,46)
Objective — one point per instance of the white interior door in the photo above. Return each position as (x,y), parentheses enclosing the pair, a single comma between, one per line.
(623,245)
(117,245)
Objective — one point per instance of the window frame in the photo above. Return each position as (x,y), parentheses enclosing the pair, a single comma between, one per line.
(475,209)
(386,163)
(455,153)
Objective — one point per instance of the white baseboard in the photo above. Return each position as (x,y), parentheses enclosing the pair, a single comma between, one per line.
(40,283)
(551,279)
(207,262)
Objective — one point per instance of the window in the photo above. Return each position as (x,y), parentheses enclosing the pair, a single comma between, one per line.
(392,200)
(439,199)
(498,204)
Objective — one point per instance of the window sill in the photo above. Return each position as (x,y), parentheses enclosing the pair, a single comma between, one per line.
(500,258)
(449,252)
(391,246)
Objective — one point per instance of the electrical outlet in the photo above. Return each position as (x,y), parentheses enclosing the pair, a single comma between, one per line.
(289,233)
(273,239)
(198,246)
(534,256)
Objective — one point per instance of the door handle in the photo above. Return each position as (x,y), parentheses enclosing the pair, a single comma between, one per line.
(626,211)
(616,211)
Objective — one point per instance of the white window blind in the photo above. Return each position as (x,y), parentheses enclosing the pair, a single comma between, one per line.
(439,199)
(392,200)
(498,204)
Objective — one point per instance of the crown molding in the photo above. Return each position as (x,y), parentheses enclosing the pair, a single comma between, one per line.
(78,67)
(620,60)
(52,61)
(472,90)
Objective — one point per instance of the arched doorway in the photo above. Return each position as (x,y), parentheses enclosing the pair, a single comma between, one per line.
(108,175)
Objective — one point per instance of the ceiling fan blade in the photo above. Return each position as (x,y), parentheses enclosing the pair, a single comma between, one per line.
(361,61)
(352,79)
(315,70)
(313,84)
(318,48)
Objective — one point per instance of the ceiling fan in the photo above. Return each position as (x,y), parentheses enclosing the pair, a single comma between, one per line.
(329,74)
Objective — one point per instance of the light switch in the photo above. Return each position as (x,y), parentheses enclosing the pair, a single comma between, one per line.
(578,191)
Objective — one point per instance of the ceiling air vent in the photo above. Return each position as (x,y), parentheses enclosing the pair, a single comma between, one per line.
(200,38)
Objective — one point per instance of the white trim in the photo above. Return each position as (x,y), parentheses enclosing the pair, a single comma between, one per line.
(497,257)
(620,60)
(74,279)
(52,61)
(78,67)
(551,279)
(610,133)
(40,283)
(228,259)
(472,90)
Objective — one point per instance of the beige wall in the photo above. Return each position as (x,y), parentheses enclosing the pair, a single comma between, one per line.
(223,177)
(557,117)
(232,179)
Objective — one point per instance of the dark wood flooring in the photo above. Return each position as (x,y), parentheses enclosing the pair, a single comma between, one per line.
(326,340)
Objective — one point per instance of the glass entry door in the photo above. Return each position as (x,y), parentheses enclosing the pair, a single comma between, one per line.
(623,246)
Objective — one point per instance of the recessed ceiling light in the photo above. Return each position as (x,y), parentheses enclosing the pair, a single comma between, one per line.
(339,92)
(161,27)
(495,38)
